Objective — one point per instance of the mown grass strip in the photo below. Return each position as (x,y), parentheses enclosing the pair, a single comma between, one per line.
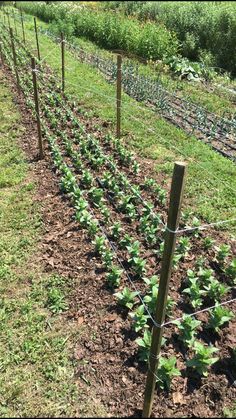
(37,372)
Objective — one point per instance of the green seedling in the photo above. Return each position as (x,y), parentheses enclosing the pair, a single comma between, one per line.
(126,297)
(114,276)
(218,317)
(187,327)
(139,318)
(202,359)
(166,372)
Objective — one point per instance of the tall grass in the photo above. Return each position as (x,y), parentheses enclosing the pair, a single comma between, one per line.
(206,29)
(108,30)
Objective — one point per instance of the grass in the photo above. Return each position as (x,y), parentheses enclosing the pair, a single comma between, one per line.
(211,179)
(36,341)
(230,413)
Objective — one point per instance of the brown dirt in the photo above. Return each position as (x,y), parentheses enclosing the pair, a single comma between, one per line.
(106,355)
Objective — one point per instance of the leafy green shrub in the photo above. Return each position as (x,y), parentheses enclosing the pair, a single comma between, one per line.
(108,30)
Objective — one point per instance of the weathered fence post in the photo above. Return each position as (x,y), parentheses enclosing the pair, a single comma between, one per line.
(9,23)
(14,59)
(118,96)
(37,39)
(36,100)
(176,197)
(22,24)
(1,54)
(14,18)
(62,62)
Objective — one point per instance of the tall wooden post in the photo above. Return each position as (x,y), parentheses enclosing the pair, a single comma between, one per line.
(14,59)
(14,18)
(22,24)
(1,54)
(37,39)
(62,62)
(118,96)
(36,101)
(176,197)
(9,23)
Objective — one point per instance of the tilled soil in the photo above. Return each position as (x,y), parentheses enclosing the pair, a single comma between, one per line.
(106,355)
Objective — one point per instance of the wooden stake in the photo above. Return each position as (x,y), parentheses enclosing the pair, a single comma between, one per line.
(9,23)
(14,18)
(1,54)
(22,24)
(63,62)
(118,96)
(36,35)
(36,100)
(176,197)
(14,59)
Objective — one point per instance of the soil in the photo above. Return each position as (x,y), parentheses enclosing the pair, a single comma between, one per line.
(106,355)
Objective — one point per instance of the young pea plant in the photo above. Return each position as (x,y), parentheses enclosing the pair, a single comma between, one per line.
(218,317)
(96,196)
(148,209)
(99,244)
(144,345)
(139,318)
(149,183)
(79,165)
(84,218)
(166,372)
(136,192)
(135,167)
(126,241)
(202,359)
(81,204)
(196,223)
(151,282)
(194,293)
(105,212)
(114,276)
(230,270)
(138,266)
(160,195)
(107,258)
(222,252)
(205,276)
(134,250)
(187,327)
(150,235)
(208,243)
(93,228)
(126,297)
(215,290)
(116,231)
(86,179)
(183,246)
(68,182)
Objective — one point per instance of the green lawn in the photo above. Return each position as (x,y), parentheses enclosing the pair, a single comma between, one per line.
(36,341)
